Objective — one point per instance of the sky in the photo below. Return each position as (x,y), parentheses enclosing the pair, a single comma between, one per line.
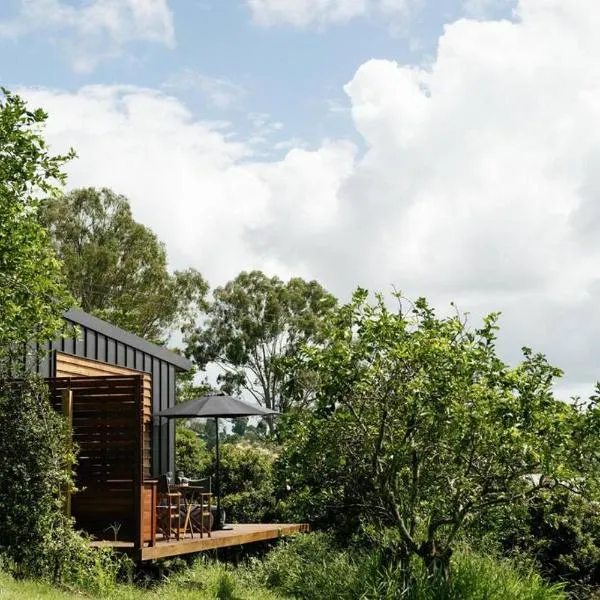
(444,148)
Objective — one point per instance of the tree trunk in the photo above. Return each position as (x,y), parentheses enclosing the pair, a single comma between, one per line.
(437,562)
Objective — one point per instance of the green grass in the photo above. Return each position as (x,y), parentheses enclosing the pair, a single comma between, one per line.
(198,583)
(311,567)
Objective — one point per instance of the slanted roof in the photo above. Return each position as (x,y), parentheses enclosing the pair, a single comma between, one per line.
(79,317)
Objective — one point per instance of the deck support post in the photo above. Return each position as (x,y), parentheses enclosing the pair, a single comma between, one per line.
(67,410)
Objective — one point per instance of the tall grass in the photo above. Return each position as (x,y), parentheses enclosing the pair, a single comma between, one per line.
(204,581)
(310,567)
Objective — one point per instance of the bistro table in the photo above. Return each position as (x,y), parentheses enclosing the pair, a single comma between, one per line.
(195,497)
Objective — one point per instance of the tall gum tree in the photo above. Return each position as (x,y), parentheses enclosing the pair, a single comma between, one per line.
(116,268)
(254,322)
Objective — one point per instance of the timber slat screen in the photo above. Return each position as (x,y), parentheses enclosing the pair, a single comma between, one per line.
(75,366)
(108,428)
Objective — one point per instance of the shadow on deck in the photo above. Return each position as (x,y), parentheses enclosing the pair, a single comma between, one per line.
(239,535)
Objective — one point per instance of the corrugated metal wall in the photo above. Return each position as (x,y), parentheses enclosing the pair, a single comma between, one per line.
(98,346)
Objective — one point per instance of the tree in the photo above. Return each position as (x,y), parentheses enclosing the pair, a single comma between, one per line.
(116,268)
(37,456)
(239,426)
(252,323)
(418,426)
(32,294)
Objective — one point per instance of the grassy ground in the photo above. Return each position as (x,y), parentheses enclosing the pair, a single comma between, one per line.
(310,567)
(198,584)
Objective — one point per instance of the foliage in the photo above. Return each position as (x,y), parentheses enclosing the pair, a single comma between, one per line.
(35,442)
(420,426)
(252,322)
(247,490)
(247,483)
(239,426)
(191,455)
(36,537)
(32,296)
(559,532)
(206,580)
(312,566)
(188,388)
(116,268)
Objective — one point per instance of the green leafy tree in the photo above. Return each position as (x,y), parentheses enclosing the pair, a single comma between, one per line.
(32,294)
(116,268)
(418,426)
(239,426)
(37,453)
(253,322)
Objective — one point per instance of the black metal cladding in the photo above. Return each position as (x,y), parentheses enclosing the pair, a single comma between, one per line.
(101,341)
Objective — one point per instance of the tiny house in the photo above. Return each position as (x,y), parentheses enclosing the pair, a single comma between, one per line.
(110,383)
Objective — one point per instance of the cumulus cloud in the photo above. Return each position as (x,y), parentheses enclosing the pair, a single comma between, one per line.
(302,13)
(478,180)
(95,31)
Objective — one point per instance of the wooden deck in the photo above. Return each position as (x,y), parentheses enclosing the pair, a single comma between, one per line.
(239,535)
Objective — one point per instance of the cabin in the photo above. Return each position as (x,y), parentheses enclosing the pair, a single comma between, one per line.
(110,384)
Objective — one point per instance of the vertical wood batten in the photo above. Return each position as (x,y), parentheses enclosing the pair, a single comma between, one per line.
(138,462)
(166,456)
(171,383)
(67,410)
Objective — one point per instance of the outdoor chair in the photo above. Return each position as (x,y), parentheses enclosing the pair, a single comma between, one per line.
(200,515)
(168,509)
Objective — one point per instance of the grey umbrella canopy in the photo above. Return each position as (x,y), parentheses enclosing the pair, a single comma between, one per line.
(215,406)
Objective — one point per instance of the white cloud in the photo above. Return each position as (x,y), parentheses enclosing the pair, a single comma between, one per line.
(479,182)
(97,30)
(219,92)
(302,13)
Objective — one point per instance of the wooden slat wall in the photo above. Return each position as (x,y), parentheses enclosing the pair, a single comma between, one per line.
(74,366)
(106,431)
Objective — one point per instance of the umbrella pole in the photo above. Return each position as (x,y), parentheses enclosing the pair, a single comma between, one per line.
(219,524)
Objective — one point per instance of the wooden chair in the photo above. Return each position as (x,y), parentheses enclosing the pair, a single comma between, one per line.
(168,513)
(200,516)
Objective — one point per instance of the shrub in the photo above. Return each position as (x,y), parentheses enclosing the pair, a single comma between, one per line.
(37,461)
(560,533)
(191,455)
(310,566)
(247,483)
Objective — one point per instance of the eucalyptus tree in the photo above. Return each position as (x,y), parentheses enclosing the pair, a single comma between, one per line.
(252,323)
(116,268)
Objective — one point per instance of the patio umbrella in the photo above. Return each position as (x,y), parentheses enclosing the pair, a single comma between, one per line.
(215,406)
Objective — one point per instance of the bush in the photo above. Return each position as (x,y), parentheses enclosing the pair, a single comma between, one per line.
(37,462)
(560,533)
(247,483)
(310,566)
(191,455)
(247,489)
